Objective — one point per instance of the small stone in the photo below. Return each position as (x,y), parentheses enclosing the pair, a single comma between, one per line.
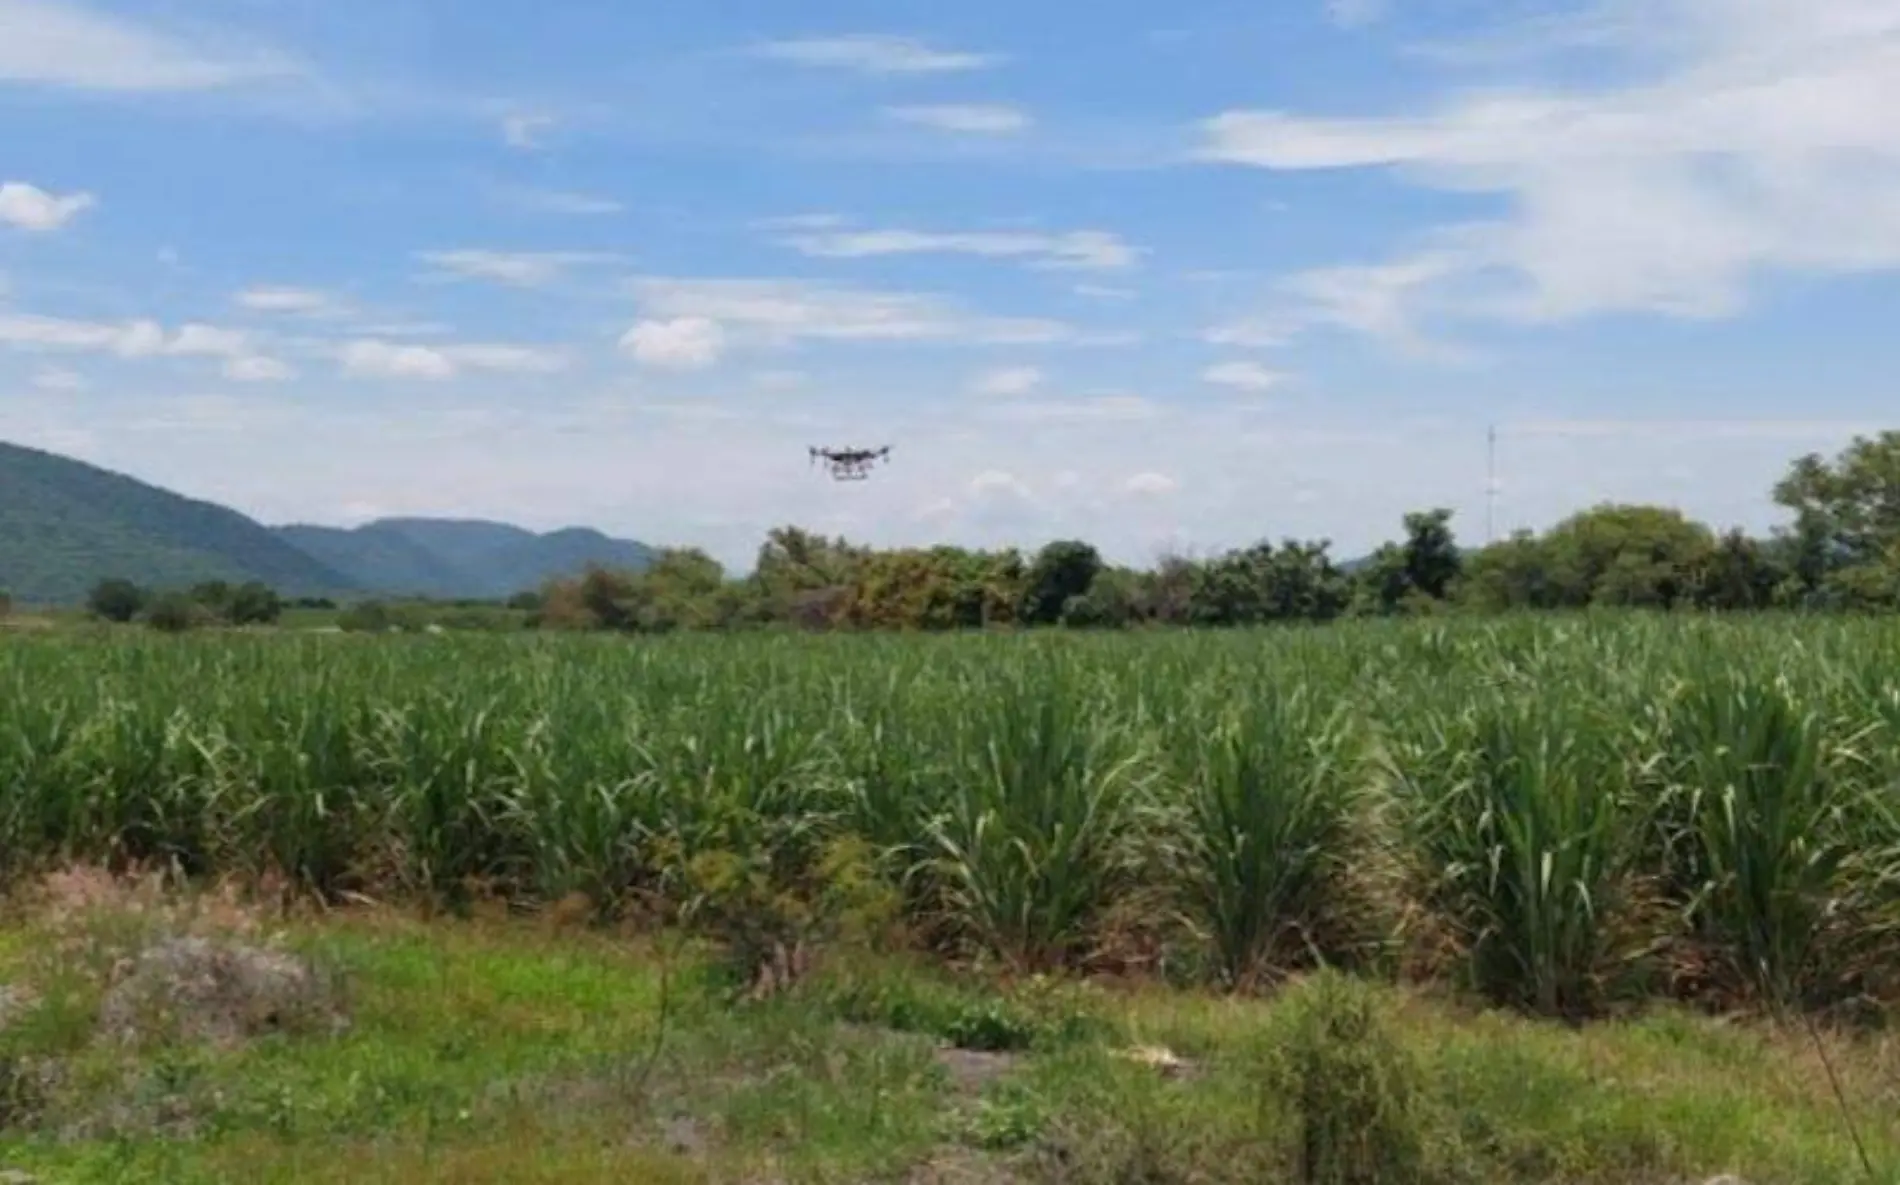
(218,992)
(1166,1061)
(684,1137)
(13,1002)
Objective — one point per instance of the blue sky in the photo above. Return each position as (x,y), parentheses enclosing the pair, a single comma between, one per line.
(1166,277)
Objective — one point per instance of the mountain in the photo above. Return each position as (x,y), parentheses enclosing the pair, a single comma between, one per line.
(450,558)
(65,525)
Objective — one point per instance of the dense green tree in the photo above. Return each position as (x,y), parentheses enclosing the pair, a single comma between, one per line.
(1623,555)
(1432,559)
(113,599)
(175,612)
(1293,582)
(254,603)
(1739,573)
(1063,569)
(1513,573)
(1846,531)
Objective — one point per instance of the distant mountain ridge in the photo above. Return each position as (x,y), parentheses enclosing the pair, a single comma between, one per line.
(441,557)
(66,524)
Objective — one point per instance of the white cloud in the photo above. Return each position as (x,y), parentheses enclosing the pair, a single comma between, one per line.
(506,359)
(29,207)
(375,358)
(53,378)
(521,269)
(785,311)
(780,380)
(521,130)
(379,359)
(57,43)
(1082,249)
(1104,292)
(207,341)
(1354,14)
(128,339)
(1010,380)
(1096,408)
(555,201)
(872,53)
(682,343)
(1757,138)
(1706,430)
(993,482)
(1243,376)
(981,119)
(1151,484)
(257,368)
(140,339)
(1253,334)
(305,302)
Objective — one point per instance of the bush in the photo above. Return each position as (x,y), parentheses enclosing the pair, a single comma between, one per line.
(177,612)
(116,600)
(1352,1089)
(372,617)
(254,604)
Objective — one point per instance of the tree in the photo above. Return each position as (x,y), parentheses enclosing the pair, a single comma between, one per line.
(1740,573)
(177,612)
(1846,531)
(1513,573)
(253,603)
(1063,569)
(1432,559)
(215,596)
(1632,556)
(366,617)
(116,600)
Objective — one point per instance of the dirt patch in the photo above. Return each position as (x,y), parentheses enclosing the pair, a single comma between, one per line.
(971,1070)
(198,989)
(963,1166)
(15,1002)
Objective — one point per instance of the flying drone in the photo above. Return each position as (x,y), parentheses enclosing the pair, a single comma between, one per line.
(851,464)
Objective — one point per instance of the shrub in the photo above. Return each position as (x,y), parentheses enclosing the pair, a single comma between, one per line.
(176,612)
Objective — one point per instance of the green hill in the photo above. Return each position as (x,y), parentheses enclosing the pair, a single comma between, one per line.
(460,557)
(65,525)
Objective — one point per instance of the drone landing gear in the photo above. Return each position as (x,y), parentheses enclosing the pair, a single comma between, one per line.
(849,464)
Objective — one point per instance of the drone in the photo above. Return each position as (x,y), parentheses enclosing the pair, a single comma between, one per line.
(851,464)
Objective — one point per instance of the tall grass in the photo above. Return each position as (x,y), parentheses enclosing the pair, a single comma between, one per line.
(1269,794)
(1573,813)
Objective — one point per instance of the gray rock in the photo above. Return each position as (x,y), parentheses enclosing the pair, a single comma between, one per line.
(197,989)
(17,1177)
(14,1001)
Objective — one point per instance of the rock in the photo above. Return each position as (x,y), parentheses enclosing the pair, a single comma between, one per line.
(14,1002)
(17,1177)
(971,1070)
(1166,1061)
(683,1136)
(202,990)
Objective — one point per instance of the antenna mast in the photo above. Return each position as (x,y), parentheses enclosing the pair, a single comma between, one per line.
(1491,484)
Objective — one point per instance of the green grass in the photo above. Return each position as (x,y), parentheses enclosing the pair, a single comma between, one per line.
(510,1051)
(1570,816)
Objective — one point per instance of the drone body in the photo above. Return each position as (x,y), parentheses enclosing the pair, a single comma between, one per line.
(851,464)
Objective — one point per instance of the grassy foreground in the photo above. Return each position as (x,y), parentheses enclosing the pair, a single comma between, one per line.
(522,1050)
(1569,816)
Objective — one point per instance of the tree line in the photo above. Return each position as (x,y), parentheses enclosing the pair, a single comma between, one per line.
(1840,551)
